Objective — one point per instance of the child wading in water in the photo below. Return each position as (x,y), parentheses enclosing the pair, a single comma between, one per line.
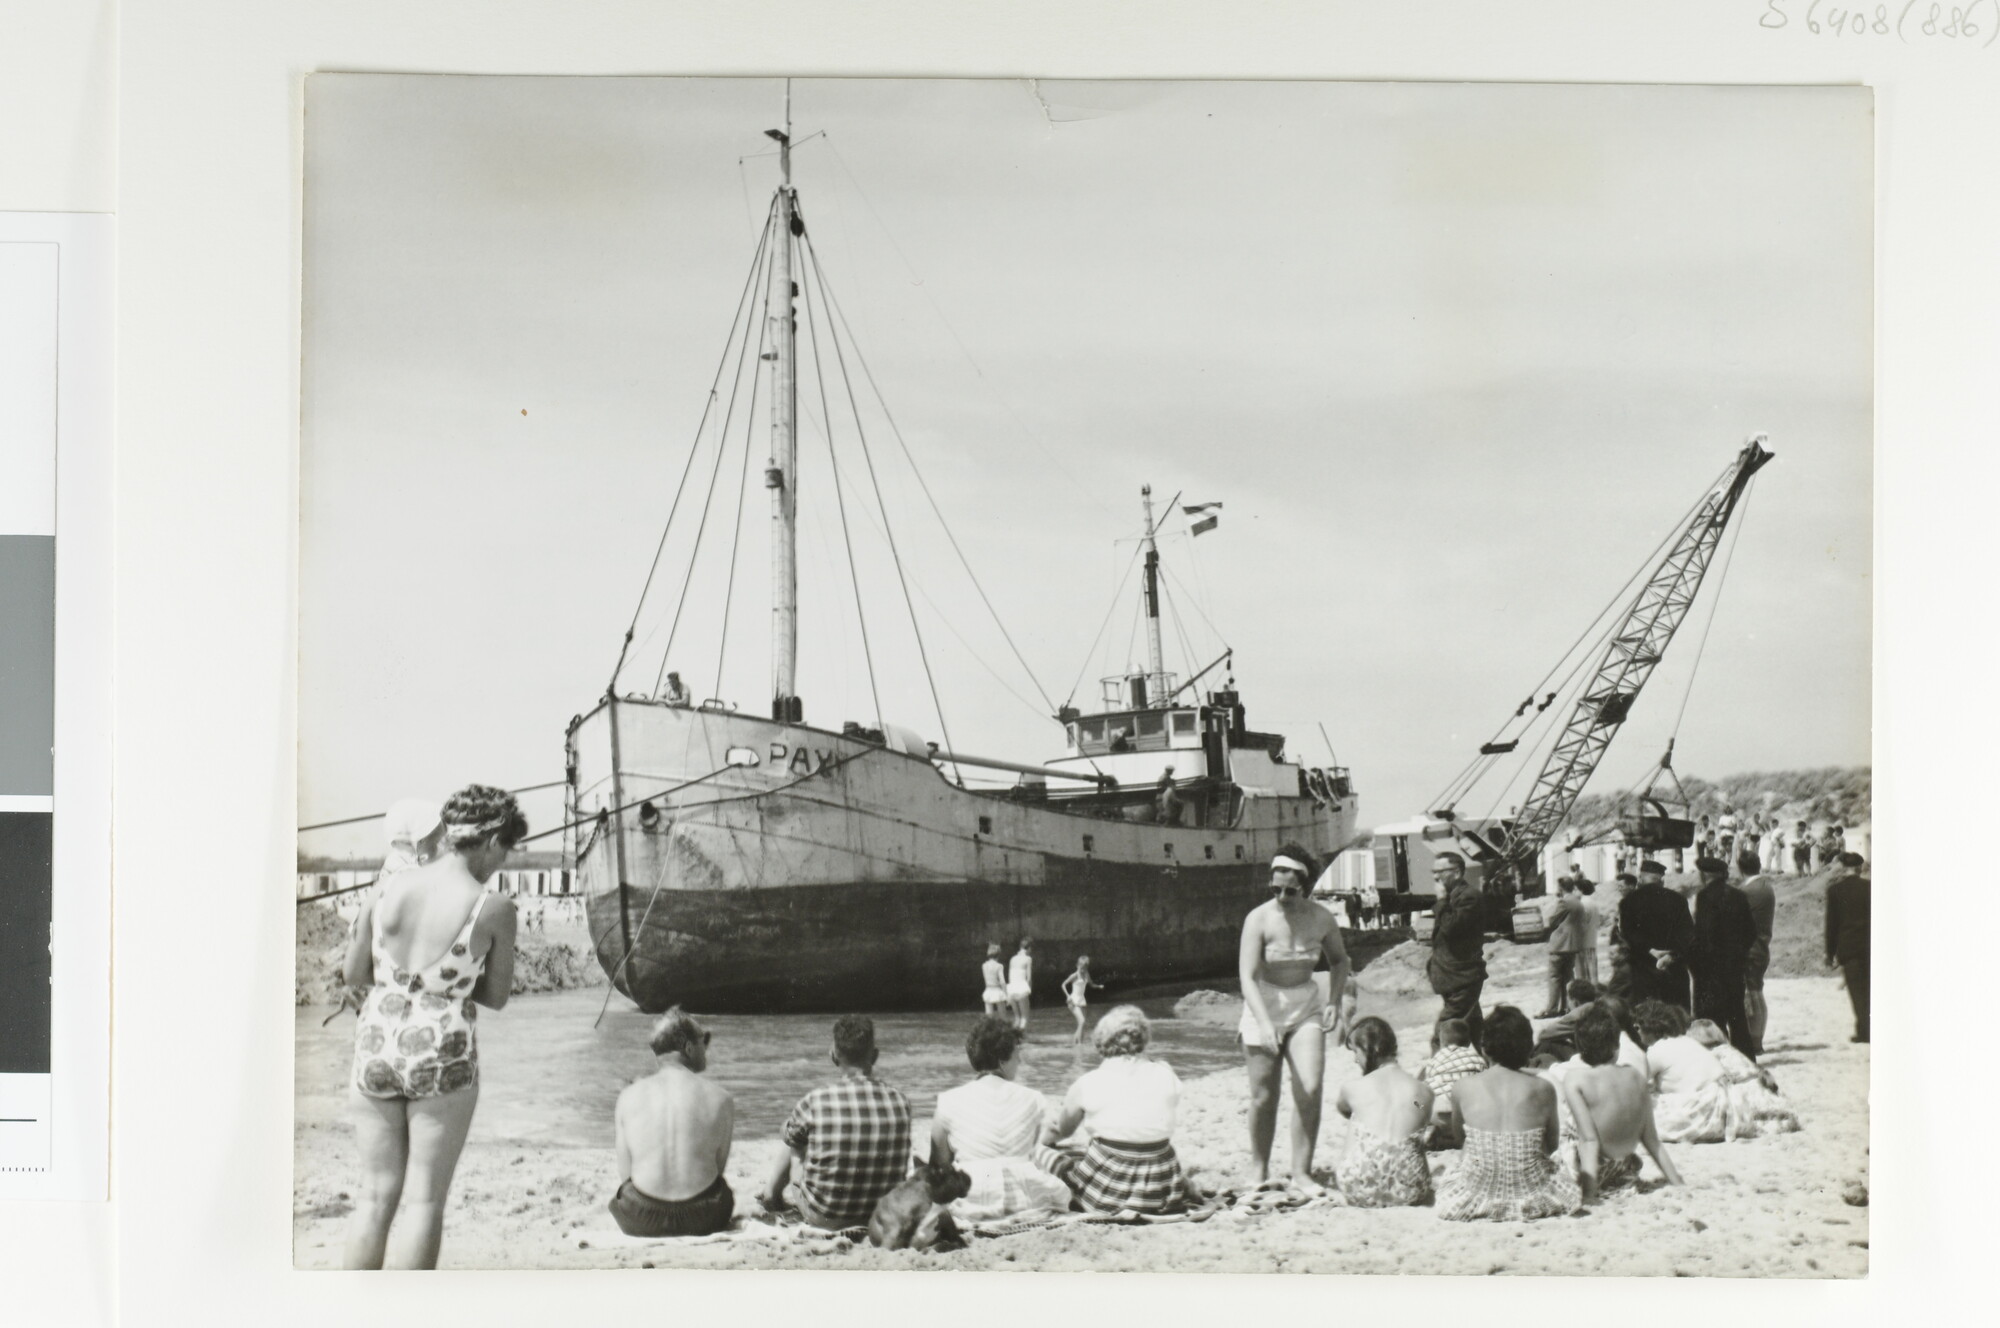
(1073,988)
(995,975)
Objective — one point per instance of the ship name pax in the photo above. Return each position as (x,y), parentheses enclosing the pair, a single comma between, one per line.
(800,760)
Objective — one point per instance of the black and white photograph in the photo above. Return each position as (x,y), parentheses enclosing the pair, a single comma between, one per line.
(1037,675)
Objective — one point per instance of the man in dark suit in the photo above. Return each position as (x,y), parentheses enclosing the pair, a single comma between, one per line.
(1724,931)
(1658,933)
(1847,934)
(1457,967)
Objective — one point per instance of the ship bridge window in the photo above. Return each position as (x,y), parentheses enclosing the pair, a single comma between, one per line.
(1184,723)
(1151,723)
(1091,730)
(1071,729)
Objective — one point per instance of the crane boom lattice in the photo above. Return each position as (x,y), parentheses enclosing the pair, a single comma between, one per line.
(1629,657)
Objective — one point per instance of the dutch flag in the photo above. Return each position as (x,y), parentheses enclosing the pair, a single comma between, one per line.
(1205,515)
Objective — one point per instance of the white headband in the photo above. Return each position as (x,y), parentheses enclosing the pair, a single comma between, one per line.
(462,832)
(1289,864)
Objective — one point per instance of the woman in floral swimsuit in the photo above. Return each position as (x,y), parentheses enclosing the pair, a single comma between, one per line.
(427,953)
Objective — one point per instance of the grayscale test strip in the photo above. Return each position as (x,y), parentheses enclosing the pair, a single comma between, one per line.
(29,295)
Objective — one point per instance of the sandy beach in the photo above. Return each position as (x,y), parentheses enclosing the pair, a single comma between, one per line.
(1782,1206)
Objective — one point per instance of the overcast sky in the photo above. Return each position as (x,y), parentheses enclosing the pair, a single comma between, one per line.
(1454,357)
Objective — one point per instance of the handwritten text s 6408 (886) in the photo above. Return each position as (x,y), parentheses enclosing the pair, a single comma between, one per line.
(1975,23)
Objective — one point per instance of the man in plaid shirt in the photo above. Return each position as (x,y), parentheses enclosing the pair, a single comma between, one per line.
(850,1138)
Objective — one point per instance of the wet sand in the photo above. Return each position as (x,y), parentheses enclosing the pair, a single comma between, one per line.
(1771,1207)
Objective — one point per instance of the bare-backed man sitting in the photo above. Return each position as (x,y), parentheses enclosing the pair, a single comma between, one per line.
(1612,1109)
(674,1131)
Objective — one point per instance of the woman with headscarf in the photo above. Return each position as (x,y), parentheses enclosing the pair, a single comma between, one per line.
(1127,1106)
(430,949)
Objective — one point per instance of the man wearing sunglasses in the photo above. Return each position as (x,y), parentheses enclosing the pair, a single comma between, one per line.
(1457,968)
(674,1130)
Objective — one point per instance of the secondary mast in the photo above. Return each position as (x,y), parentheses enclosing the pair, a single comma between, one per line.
(781,337)
(1156,666)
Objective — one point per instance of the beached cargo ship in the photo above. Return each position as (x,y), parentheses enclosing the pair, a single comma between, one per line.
(736,862)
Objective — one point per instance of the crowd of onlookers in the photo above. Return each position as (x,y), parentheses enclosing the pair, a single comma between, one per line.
(1664,1051)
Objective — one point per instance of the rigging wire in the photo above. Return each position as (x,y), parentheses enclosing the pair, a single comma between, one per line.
(708,502)
(376,816)
(1090,653)
(839,493)
(749,283)
(742,491)
(1570,701)
(888,529)
(944,618)
(1714,603)
(897,433)
(1180,632)
(1195,600)
(1595,633)
(1076,486)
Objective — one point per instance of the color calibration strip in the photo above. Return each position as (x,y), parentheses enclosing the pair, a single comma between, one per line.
(29,307)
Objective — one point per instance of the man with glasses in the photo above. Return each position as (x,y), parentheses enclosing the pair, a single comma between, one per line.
(1457,968)
(673,1130)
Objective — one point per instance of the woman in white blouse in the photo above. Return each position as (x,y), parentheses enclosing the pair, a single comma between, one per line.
(988,1129)
(1126,1107)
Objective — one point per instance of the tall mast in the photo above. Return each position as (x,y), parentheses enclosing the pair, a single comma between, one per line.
(782,337)
(1156,667)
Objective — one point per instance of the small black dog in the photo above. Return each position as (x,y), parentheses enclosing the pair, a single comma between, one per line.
(914,1216)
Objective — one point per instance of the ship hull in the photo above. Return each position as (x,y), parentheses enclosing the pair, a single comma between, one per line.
(833,874)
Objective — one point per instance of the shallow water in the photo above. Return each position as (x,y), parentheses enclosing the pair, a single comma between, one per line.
(547,1077)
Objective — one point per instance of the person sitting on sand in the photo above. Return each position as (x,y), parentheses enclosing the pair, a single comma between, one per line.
(1506,1173)
(994,974)
(1557,1037)
(989,1129)
(1690,1104)
(1630,1053)
(1755,1106)
(674,1129)
(1285,1012)
(1453,1057)
(1076,992)
(1128,1107)
(1389,1113)
(849,1139)
(1611,1109)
